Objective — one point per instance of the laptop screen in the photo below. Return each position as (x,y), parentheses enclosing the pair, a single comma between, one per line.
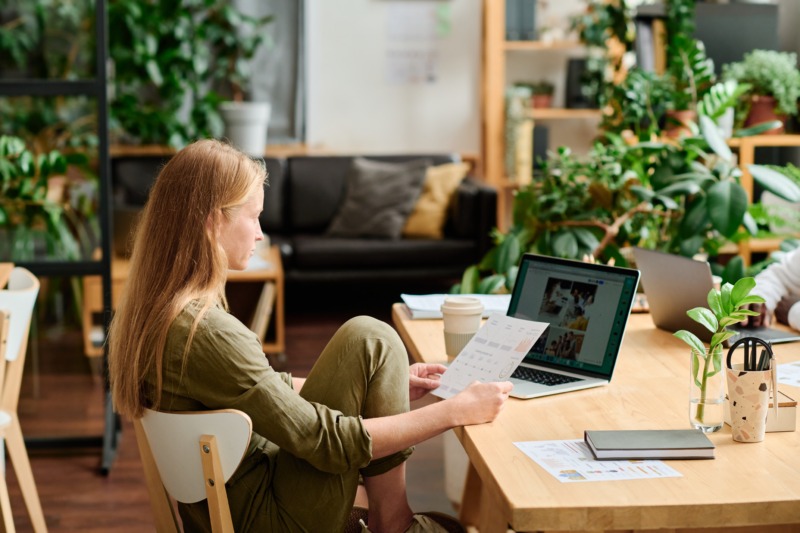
(587,307)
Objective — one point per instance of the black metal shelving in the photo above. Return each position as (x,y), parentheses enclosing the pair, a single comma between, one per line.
(96,88)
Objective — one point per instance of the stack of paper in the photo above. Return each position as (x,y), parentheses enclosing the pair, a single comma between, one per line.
(429,305)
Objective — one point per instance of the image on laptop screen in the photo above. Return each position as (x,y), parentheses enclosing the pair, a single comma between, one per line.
(586,305)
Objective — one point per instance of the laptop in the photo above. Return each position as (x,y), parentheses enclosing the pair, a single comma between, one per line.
(586,306)
(674,284)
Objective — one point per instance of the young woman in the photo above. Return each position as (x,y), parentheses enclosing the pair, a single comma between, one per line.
(174,347)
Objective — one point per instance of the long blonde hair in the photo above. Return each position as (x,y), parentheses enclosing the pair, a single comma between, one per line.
(176,259)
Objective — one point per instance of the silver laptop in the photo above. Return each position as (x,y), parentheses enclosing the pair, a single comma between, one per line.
(674,284)
(587,307)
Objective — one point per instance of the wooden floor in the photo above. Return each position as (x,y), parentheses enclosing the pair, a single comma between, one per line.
(62,397)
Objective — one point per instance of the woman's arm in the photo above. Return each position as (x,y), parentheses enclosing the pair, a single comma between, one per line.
(477,404)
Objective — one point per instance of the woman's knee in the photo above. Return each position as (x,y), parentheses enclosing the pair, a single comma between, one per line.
(377,335)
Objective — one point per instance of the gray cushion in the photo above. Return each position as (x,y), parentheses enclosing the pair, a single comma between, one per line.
(379,198)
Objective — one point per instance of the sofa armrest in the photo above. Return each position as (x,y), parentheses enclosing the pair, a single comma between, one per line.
(473,213)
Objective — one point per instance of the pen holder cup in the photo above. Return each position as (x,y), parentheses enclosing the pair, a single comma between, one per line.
(748,394)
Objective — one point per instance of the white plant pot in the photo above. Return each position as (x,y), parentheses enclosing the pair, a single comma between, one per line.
(246,125)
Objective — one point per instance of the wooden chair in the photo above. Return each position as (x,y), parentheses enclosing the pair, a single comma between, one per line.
(16,308)
(189,456)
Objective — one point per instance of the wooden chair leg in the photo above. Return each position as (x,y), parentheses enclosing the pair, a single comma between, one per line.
(5,507)
(22,467)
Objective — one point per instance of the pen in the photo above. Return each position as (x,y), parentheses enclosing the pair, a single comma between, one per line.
(762,360)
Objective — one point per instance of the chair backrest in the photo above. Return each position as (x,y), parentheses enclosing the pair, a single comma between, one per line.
(18,300)
(174,442)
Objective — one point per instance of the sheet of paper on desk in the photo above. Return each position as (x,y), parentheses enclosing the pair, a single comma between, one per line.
(789,374)
(571,461)
(492,354)
(257,263)
(430,305)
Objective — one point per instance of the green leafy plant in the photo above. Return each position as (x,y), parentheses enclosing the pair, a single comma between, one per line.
(691,71)
(680,197)
(539,87)
(770,73)
(233,48)
(638,104)
(51,39)
(34,214)
(607,30)
(721,97)
(726,306)
(167,57)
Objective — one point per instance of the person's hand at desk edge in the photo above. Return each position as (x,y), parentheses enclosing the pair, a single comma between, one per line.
(779,285)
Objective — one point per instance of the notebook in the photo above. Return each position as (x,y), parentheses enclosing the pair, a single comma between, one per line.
(674,284)
(587,308)
(649,444)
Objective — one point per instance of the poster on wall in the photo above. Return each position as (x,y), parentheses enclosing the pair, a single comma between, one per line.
(413,32)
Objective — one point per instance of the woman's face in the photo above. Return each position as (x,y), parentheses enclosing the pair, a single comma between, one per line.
(239,234)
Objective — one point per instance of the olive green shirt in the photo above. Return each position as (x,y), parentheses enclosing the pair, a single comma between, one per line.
(226,368)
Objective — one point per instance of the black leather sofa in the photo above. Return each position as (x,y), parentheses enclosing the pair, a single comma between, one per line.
(303,195)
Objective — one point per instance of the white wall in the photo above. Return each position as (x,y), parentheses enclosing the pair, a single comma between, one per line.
(352,108)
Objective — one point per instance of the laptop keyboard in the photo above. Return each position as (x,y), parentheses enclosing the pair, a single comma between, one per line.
(542,377)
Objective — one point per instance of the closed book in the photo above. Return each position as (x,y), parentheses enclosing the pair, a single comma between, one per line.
(649,444)
(527,17)
(513,21)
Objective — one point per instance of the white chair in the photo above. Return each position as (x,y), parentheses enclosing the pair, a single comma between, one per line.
(189,456)
(16,308)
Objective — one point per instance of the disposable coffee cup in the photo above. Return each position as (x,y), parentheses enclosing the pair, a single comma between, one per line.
(462,318)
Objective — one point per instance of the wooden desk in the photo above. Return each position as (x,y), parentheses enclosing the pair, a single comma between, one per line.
(270,303)
(755,485)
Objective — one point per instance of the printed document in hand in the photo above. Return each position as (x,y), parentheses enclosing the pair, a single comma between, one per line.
(492,354)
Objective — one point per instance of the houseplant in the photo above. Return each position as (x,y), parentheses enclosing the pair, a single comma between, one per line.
(726,306)
(680,197)
(775,85)
(167,58)
(691,71)
(235,40)
(40,218)
(607,30)
(638,104)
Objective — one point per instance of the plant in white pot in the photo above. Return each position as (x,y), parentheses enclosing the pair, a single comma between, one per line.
(235,40)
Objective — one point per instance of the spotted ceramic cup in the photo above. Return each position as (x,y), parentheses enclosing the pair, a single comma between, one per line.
(748,394)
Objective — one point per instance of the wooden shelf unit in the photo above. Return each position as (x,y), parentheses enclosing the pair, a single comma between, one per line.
(493,87)
(747,154)
(541,45)
(556,113)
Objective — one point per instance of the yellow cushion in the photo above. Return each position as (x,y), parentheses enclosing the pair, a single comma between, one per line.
(427,219)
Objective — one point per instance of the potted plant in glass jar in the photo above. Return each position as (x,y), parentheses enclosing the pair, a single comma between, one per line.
(726,306)
(775,82)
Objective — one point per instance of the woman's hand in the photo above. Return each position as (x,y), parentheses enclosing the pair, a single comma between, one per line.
(423,378)
(481,402)
(762,319)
